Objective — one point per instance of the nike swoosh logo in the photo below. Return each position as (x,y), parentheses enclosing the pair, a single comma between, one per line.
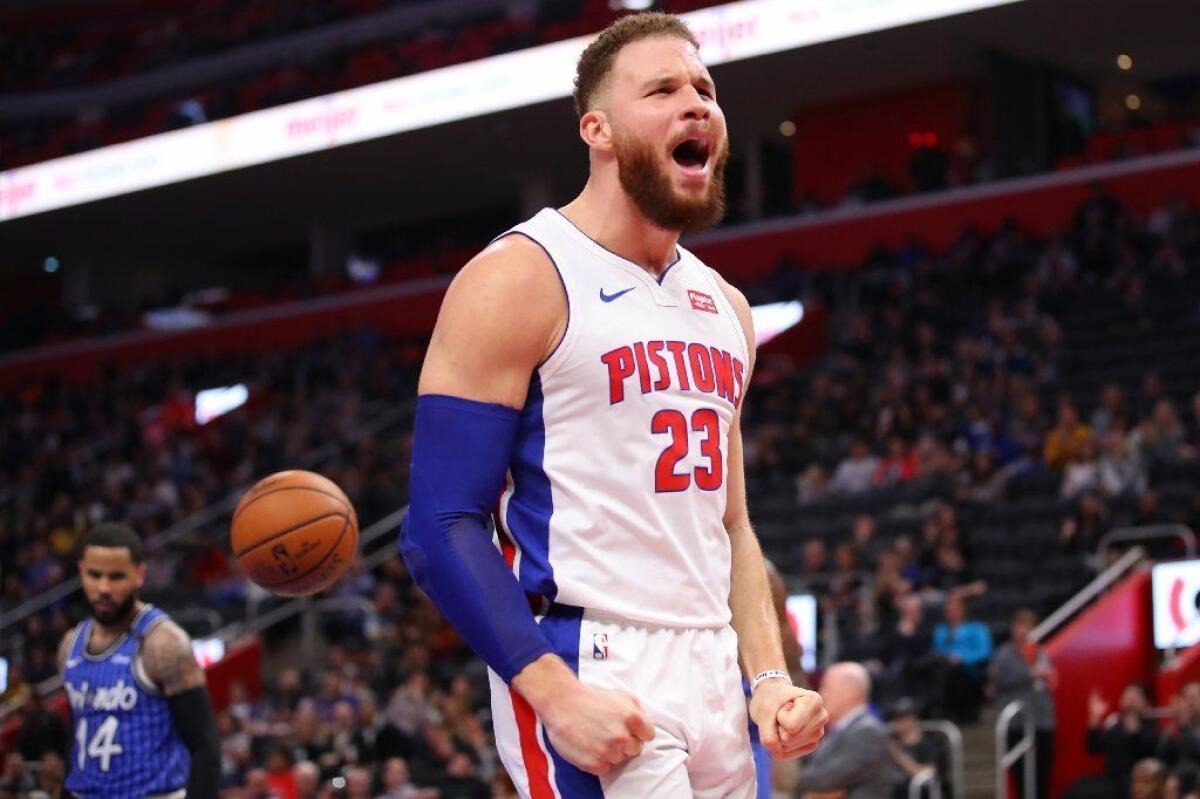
(610,297)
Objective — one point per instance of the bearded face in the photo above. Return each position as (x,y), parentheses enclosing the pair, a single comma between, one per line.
(680,186)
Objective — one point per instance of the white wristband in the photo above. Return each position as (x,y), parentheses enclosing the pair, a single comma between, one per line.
(769,674)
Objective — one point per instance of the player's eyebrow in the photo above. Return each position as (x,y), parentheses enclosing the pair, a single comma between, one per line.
(703,79)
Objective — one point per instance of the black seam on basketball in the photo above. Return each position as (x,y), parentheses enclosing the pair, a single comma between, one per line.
(318,565)
(282,533)
(334,497)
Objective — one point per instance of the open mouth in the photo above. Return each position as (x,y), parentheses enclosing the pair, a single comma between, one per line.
(691,154)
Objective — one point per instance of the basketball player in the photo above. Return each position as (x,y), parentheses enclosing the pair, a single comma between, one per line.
(593,371)
(144,728)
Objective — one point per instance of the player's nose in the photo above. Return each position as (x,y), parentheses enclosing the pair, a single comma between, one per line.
(694,107)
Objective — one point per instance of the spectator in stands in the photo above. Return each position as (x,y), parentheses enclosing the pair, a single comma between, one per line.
(396,782)
(1122,470)
(815,557)
(899,465)
(854,758)
(855,473)
(1124,737)
(42,730)
(964,646)
(863,541)
(1067,438)
(1110,411)
(1021,672)
(1148,780)
(914,750)
(1082,473)
(1081,530)
(1161,438)
(1179,743)
(906,652)
(307,779)
(16,780)
(813,485)
(281,777)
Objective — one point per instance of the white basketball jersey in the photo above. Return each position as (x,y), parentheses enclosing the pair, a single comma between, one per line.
(616,493)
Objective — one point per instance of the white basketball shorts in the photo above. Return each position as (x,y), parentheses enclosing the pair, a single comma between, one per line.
(688,681)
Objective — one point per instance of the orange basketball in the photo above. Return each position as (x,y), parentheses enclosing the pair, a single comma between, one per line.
(294,533)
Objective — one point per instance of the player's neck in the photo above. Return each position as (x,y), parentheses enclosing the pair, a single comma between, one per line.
(610,218)
(122,624)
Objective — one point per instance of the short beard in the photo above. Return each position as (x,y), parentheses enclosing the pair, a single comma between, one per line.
(118,613)
(651,191)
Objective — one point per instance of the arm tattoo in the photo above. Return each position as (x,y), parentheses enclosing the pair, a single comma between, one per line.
(168,659)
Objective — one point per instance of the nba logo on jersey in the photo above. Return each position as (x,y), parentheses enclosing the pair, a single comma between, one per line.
(702,301)
(600,646)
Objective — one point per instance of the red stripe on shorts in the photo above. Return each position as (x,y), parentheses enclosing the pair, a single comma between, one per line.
(536,766)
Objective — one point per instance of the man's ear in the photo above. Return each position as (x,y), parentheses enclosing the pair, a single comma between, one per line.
(596,131)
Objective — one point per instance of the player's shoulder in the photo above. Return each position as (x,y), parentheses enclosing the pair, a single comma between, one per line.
(512,264)
(735,296)
(167,659)
(166,634)
(739,303)
(64,646)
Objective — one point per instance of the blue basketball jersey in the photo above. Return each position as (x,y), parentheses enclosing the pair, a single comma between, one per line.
(125,743)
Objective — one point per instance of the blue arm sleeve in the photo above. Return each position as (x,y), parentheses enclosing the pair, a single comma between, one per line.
(461,450)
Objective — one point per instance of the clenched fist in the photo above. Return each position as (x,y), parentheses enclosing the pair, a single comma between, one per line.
(791,720)
(594,728)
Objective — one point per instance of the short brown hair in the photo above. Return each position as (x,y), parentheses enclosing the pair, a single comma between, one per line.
(597,59)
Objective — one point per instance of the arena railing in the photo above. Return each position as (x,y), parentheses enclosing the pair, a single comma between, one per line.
(1088,594)
(925,784)
(1023,750)
(949,730)
(314,607)
(1149,532)
(378,423)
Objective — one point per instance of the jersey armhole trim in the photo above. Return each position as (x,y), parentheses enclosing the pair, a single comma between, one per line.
(137,667)
(736,320)
(559,347)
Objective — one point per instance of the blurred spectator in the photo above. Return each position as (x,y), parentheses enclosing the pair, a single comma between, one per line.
(907,652)
(1122,470)
(965,646)
(854,758)
(307,777)
(42,730)
(1110,412)
(1123,737)
(1065,442)
(1020,671)
(1179,743)
(1161,438)
(856,473)
(1149,780)
(1082,473)
(913,749)
(1081,530)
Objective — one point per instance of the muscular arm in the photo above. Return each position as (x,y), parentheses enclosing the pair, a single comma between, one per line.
(790,720)
(168,663)
(754,614)
(485,352)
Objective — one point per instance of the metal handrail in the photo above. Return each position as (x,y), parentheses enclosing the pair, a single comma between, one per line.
(1024,749)
(207,615)
(295,606)
(1149,532)
(926,778)
(1087,594)
(197,519)
(954,738)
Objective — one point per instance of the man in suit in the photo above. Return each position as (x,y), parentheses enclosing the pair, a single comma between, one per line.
(853,761)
